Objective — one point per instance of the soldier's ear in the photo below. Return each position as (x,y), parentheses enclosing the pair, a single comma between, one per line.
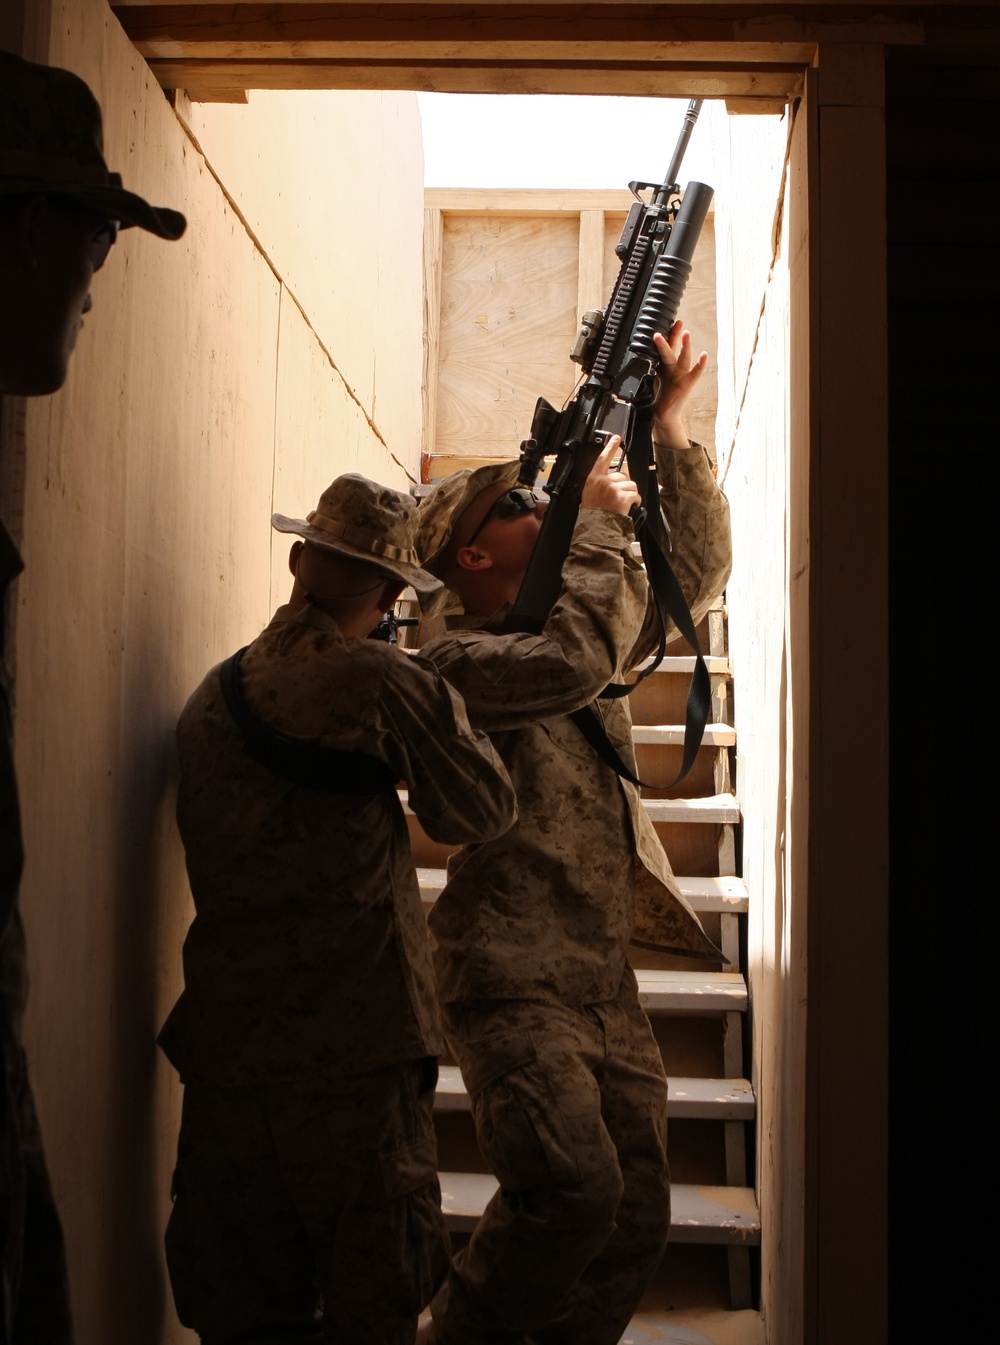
(472,558)
(293,557)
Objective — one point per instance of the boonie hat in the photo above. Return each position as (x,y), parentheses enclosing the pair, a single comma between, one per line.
(51,143)
(444,505)
(364,521)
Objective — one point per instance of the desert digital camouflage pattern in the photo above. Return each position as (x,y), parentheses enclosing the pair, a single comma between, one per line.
(547,910)
(532,933)
(570,1111)
(338,1183)
(308,953)
(306,1189)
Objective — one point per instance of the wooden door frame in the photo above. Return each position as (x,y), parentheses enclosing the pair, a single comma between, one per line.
(833,1183)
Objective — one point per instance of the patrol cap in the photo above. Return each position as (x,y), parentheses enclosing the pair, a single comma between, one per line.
(362,520)
(51,144)
(444,505)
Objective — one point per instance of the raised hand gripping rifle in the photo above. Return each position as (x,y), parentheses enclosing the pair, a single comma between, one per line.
(616,351)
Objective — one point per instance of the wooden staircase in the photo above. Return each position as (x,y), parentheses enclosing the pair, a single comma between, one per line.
(699,1013)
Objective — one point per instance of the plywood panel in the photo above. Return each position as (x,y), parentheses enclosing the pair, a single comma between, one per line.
(508,320)
(200,386)
(754,450)
(320,432)
(511,288)
(309,173)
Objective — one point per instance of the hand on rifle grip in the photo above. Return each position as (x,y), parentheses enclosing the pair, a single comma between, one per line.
(607,486)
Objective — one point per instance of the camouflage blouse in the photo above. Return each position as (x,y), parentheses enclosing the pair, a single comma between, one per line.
(546,910)
(308,952)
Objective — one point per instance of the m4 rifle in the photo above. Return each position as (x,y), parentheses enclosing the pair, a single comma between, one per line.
(618,356)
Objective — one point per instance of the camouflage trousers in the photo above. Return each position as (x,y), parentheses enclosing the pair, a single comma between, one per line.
(570,1113)
(308,1211)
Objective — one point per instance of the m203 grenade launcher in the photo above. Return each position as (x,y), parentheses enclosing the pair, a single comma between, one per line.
(616,351)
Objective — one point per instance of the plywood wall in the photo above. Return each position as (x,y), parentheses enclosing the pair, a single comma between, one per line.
(216,379)
(507,276)
(752,214)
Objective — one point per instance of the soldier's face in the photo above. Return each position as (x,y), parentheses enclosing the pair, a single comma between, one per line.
(509,537)
(62,244)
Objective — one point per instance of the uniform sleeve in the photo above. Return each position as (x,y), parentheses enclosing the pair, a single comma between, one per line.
(458,786)
(509,680)
(697,517)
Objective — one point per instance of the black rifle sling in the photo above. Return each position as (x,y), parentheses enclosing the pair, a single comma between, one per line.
(298,760)
(670,602)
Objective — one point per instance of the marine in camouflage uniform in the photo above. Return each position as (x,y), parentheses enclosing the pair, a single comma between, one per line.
(60,209)
(540,1002)
(307,1202)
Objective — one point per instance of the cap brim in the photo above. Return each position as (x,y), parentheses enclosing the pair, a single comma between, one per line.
(418,578)
(114,202)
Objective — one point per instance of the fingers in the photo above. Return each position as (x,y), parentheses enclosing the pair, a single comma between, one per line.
(611,450)
(608,487)
(675,351)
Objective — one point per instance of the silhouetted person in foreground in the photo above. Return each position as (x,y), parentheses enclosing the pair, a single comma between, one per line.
(60,212)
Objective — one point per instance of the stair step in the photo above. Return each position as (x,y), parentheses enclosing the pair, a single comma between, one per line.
(715,735)
(700,1326)
(725,896)
(714,808)
(707,1214)
(692,992)
(693,1099)
(684,663)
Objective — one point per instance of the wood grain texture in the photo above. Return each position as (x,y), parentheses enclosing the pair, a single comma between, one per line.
(637,78)
(515,268)
(209,374)
(508,319)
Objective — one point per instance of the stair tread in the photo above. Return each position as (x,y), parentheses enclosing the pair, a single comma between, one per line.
(726,894)
(682,1327)
(715,735)
(695,1099)
(691,991)
(684,663)
(712,808)
(706,1214)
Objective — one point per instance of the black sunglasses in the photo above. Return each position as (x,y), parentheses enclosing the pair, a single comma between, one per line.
(511,504)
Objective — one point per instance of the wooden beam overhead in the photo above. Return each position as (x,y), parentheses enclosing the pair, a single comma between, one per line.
(740,50)
(639,79)
(317,31)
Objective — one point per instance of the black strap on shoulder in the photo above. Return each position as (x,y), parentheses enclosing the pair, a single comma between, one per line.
(298,760)
(670,603)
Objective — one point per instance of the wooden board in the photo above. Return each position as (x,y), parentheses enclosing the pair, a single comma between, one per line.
(355,273)
(707,1214)
(209,374)
(714,894)
(692,1099)
(508,317)
(504,291)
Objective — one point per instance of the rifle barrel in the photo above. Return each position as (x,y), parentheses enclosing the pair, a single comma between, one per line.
(670,183)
